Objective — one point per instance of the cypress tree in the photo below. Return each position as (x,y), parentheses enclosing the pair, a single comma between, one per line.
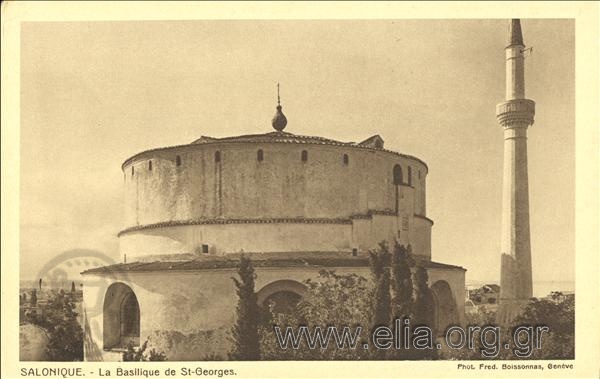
(245,337)
(381,300)
(423,311)
(423,305)
(402,288)
(402,284)
(378,260)
(33,298)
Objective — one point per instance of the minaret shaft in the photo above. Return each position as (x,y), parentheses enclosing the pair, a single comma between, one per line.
(516,278)
(515,72)
(515,115)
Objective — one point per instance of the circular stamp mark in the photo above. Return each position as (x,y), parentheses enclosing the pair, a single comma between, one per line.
(65,268)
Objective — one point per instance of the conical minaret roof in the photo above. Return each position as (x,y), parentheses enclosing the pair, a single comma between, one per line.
(515,36)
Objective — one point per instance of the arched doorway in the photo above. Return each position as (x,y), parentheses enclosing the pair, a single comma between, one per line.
(445,310)
(121,317)
(281,296)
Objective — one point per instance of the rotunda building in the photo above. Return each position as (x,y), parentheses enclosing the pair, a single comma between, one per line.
(294,204)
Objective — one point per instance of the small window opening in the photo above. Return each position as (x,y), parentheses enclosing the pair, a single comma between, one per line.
(204,249)
(132,170)
(217,156)
(397,174)
(178,161)
(346,159)
(259,155)
(409,176)
(304,156)
(150,165)
(405,223)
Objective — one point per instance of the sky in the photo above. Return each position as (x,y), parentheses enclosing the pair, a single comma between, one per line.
(95,93)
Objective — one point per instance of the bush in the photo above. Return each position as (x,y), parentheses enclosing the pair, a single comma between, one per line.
(353,301)
(330,300)
(557,312)
(64,331)
(136,355)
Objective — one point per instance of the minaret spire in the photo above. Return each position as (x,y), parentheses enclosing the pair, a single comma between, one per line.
(515,115)
(515,36)
(279,120)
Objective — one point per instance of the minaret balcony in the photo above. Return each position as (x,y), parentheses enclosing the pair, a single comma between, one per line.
(516,112)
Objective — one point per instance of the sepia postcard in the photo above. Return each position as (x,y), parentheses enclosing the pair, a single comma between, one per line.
(288,189)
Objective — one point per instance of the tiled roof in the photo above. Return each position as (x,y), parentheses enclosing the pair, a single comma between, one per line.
(273,137)
(222,221)
(283,137)
(289,220)
(282,259)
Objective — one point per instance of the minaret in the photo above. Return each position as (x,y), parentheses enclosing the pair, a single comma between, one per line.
(515,115)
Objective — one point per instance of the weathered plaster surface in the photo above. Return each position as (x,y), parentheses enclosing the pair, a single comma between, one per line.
(188,314)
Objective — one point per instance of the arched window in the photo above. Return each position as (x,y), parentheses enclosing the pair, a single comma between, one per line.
(304,156)
(259,155)
(345,159)
(132,170)
(409,176)
(217,156)
(178,161)
(397,175)
(150,165)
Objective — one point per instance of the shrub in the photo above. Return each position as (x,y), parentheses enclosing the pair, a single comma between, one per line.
(64,331)
(330,300)
(133,354)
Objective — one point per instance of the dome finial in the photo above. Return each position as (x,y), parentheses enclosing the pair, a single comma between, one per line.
(279,120)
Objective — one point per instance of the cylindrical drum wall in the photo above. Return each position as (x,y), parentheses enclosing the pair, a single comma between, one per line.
(211,183)
(229,181)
